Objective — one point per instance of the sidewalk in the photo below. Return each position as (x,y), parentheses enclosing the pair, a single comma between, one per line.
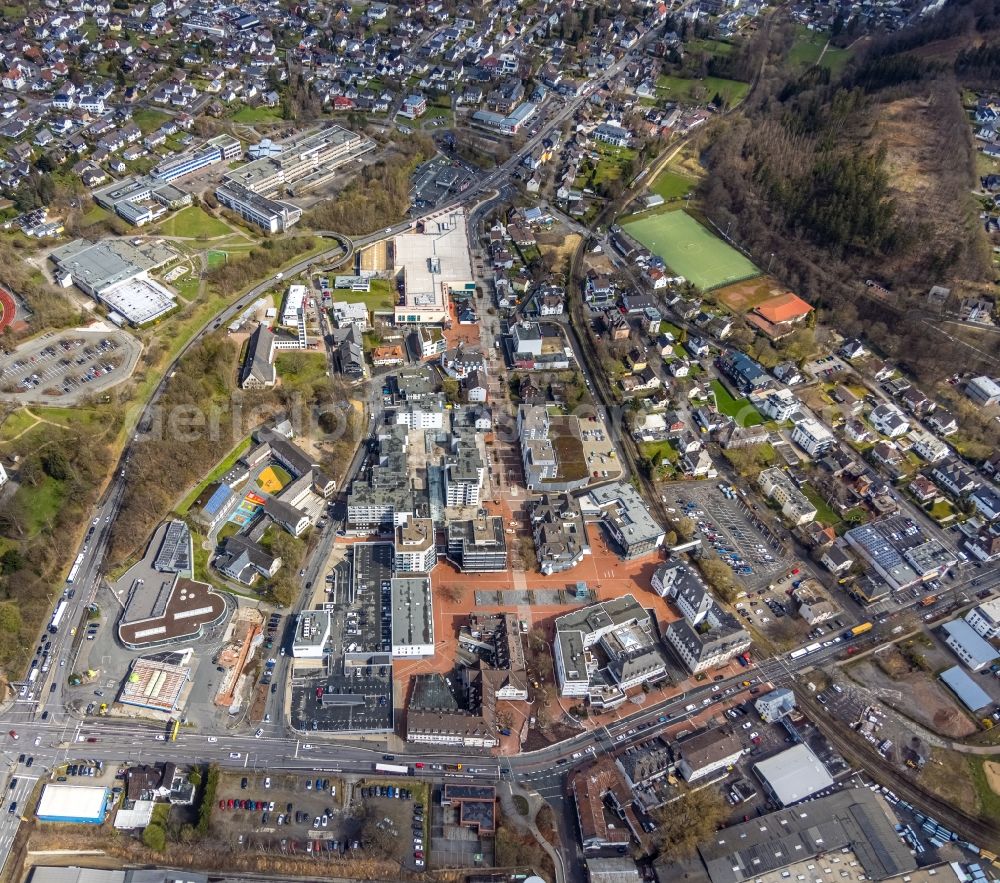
(527,823)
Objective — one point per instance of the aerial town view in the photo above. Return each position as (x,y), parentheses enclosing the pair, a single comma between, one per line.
(548,440)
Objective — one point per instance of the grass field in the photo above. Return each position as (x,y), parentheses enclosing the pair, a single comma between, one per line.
(148,119)
(671,186)
(250,116)
(15,423)
(690,250)
(193,222)
(807,50)
(381,297)
(40,503)
(701,91)
(823,511)
(746,414)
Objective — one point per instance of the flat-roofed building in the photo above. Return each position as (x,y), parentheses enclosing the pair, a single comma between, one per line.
(304,161)
(847,836)
(777,485)
(627,518)
(434,263)
(968,645)
(412,616)
(793,775)
(478,545)
(415,547)
(312,631)
(273,215)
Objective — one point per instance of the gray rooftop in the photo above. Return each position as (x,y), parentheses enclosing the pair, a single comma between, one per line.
(412,613)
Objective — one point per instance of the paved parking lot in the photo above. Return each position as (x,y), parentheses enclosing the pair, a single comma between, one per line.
(739,538)
(268,827)
(61,368)
(437,180)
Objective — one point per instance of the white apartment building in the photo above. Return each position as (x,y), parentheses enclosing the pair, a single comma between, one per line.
(778,486)
(813,437)
(415,550)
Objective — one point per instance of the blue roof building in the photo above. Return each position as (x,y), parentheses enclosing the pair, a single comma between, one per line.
(968,645)
(969,693)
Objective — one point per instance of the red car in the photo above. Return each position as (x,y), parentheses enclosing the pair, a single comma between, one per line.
(222,804)
(231,803)
(418,766)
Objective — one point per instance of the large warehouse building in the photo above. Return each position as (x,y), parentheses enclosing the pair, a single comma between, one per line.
(793,775)
(78,804)
(434,263)
(116,273)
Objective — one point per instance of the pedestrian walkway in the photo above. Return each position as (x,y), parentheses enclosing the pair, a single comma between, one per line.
(527,822)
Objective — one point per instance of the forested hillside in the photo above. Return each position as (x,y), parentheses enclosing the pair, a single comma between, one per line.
(867,175)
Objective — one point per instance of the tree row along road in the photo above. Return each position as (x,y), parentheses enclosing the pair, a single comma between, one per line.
(980,830)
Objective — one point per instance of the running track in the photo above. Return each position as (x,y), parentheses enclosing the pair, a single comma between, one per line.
(9,309)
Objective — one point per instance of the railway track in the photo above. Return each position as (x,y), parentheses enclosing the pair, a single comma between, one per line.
(983,832)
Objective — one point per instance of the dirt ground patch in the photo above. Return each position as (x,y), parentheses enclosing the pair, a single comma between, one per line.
(947,774)
(893,664)
(743,296)
(992,770)
(561,246)
(916,695)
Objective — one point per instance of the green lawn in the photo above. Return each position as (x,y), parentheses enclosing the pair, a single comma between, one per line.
(221,469)
(701,91)
(149,119)
(194,222)
(296,368)
(657,452)
(807,50)
(708,46)
(741,409)
(250,116)
(40,503)
(671,186)
(381,297)
(941,510)
(823,511)
(690,249)
(15,423)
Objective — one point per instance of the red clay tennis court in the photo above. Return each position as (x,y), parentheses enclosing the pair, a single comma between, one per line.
(9,309)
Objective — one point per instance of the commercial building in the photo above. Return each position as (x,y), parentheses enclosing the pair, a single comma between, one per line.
(793,775)
(478,545)
(846,835)
(157,682)
(434,262)
(506,125)
(436,717)
(345,313)
(312,632)
(606,817)
(969,693)
(627,519)
(777,485)
(559,533)
(415,549)
(604,650)
(707,752)
(385,498)
(968,645)
(495,639)
(899,551)
(707,636)
(164,605)
(304,161)
(813,437)
(464,471)
(985,618)
(116,274)
(412,616)
(73,804)
(984,391)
